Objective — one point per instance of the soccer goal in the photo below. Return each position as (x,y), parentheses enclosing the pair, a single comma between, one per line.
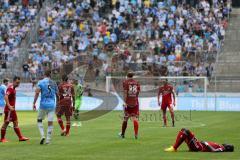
(191,92)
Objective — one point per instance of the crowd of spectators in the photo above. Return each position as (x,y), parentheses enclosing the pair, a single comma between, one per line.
(161,37)
(16,19)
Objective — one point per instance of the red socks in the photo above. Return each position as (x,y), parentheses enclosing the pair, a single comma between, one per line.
(135,123)
(68,126)
(180,138)
(16,129)
(165,120)
(60,122)
(18,132)
(172,116)
(124,127)
(3,133)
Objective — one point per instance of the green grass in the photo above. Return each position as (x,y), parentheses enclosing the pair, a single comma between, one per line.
(97,139)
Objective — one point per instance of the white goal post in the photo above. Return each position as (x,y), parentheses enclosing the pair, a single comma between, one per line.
(191,91)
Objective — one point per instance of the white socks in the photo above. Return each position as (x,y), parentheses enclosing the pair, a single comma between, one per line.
(41,129)
(49,133)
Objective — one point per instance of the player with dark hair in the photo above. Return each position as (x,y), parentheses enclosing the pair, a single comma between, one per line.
(48,89)
(65,104)
(168,101)
(10,112)
(196,145)
(131,91)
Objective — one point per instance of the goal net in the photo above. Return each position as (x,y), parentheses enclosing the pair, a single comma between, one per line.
(191,92)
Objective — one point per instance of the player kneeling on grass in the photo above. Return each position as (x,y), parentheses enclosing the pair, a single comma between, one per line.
(131,107)
(198,146)
(10,112)
(65,104)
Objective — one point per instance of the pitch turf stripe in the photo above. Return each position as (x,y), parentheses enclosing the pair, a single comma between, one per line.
(185,158)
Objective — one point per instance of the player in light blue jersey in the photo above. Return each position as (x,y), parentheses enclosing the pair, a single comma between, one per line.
(48,89)
(3,89)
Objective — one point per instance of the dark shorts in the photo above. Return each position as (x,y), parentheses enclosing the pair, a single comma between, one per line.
(10,116)
(130,111)
(63,110)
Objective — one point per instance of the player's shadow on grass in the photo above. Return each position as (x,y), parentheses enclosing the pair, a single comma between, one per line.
(109,103)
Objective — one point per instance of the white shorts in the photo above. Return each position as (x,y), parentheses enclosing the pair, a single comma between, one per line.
(42,113)
(1,110)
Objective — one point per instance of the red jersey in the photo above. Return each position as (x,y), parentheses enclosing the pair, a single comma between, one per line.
(66,93)
(195,145)
(133,88)
(166,91)
(11,93)
(212,147)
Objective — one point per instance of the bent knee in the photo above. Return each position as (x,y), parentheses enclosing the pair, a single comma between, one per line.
(185,131)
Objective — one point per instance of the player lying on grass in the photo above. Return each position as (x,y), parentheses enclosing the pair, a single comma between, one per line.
(10,114)
(131,107)
(65,104)
(198,146)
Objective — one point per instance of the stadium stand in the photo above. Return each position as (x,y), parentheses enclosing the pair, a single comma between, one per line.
(16,19)
(160,38)
(227,76)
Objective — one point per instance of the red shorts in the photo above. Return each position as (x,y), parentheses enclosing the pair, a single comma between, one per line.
(10,116)
(166,105)
(131,111)
(63,110)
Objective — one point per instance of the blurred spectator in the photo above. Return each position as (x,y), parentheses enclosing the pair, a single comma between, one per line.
(15,22)
(169,38)
(25,70)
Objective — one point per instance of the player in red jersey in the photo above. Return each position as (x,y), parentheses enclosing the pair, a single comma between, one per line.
(168,101)
(65,104)
(10,114)
(131,107)
(198,146)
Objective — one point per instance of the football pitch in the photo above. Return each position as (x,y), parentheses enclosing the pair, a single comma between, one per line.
(97,139)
